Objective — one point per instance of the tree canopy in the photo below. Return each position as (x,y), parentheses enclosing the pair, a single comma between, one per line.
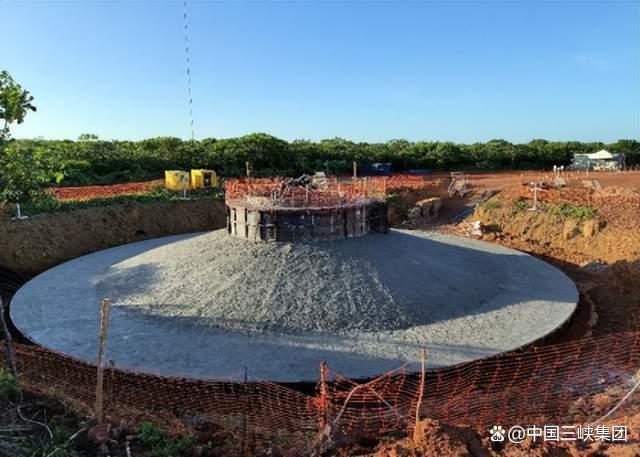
(15,103)
(101,162)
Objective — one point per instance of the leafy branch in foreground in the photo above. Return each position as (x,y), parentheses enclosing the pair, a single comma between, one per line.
(15,103)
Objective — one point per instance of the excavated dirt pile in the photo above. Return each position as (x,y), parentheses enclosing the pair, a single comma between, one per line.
(435,439)
(585,225)
(602,254)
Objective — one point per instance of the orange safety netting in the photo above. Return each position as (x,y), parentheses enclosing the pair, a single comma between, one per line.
(332,191)
(548,385)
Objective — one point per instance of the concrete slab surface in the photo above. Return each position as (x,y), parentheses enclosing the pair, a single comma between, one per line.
(206,305)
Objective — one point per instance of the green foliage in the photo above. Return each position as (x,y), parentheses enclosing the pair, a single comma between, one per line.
(23,173)
(95,161)
(15,103)
(45,446)
(571,211)
(159,443)
(397,204)
(493,203)
(8,385)
(520,205)
(87,137)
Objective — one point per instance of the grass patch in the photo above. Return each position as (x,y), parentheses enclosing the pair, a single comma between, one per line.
(571,211)
(8,385)
(159,444)
(395,200)
(493,203)
(58,446)
(50,204)
(519,206)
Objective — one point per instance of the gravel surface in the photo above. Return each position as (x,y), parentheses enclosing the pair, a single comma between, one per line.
(206,305)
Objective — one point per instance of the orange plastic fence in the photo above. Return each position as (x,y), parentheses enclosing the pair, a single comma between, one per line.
(549,385)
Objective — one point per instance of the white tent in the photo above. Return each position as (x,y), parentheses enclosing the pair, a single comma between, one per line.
(601,160)
(602,154)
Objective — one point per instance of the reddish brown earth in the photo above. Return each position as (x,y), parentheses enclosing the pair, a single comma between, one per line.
(502,180)
(33,245)
(90,192)
(602,256)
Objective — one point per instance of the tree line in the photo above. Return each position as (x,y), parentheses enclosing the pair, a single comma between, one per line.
(90,160)
(29,165)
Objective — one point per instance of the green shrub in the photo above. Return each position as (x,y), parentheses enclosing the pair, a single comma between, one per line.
(45,446)
(159,444)
(23,173)
(8,385)
(571,211)
(493,203)
(398,206)
(520,205)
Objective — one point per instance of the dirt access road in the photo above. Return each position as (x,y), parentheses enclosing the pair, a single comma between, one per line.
(502,180)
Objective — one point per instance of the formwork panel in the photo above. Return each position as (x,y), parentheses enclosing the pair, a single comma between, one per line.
(304,224)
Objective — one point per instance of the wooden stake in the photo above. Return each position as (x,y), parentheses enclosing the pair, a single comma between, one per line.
(8,343)
(104,325)
(323,396)
(416,428)
(323,439)
(355,169)
(244,412)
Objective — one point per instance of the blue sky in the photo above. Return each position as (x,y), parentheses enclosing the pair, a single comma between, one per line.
(462,71)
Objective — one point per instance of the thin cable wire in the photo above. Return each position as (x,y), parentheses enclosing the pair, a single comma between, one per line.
(612,410)
(188,62)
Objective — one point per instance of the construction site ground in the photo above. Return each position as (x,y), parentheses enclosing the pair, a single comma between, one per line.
(601,254)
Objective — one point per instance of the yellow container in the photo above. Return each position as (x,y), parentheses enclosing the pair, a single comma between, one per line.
(176,179)
(203,179)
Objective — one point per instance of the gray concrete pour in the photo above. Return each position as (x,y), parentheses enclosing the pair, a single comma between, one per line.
(206,305)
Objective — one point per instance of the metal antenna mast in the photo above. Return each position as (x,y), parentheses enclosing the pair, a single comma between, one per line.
(186,51)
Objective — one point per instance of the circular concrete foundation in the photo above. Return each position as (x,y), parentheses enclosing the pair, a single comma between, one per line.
(206,305)
(292,224)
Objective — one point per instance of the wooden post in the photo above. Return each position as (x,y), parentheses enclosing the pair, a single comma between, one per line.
(355,169)
(249,168)
(416,428)
(244,412)
(324,406)
(104,325)
(8,343)
(323,439)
